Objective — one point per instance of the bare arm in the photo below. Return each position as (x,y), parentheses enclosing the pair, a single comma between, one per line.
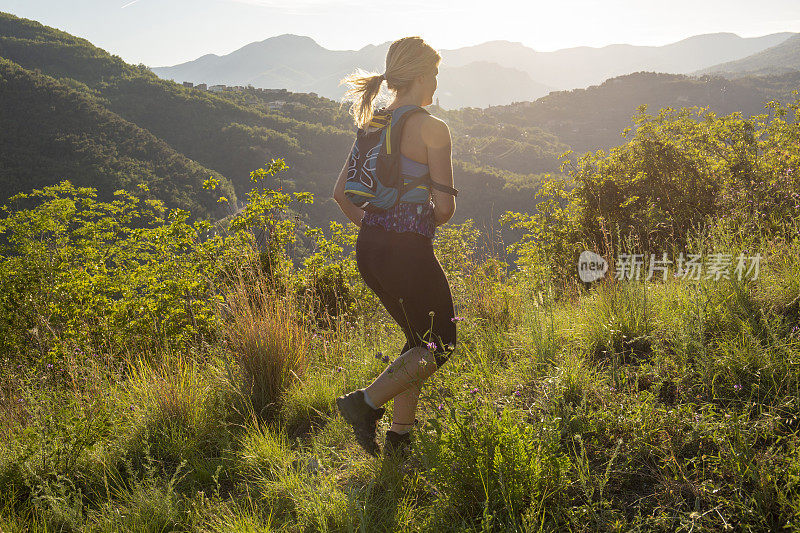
(352,211)
(436,135)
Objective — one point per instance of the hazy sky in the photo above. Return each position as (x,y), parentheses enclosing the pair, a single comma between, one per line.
(166,32)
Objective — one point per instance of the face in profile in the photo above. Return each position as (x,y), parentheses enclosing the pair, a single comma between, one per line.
(430,84)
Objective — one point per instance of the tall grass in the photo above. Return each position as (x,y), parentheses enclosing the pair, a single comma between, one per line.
(269,339)
(617,321)
(179,411)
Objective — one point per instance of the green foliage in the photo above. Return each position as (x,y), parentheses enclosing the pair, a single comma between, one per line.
(329,283)
(264,215)
(456,248)
(551,242)
(617,322)
(177,415)
(268,337)
(674,179)
(195,366)
(75,269)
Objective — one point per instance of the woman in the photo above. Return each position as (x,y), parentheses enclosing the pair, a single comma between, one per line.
(394,249)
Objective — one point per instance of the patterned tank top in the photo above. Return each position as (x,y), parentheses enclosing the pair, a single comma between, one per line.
(417,218)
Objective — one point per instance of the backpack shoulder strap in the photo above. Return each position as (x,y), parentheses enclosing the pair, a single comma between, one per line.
(398,120)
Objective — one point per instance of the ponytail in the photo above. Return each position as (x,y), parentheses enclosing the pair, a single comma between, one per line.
(364,88)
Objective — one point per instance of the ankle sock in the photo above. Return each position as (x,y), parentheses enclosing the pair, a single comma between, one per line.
(369,400)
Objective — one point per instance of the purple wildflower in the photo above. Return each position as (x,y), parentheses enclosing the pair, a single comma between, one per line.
(456,319)
(440,407)
(385,358)
(49,365)
(517,393)
(339,369)
(431,346)
(378,355)
(473,391)
(737,387)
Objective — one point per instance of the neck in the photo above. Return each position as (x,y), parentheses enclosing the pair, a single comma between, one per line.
(409,99)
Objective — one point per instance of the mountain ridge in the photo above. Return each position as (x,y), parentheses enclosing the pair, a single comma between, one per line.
(780,58)
(313,66)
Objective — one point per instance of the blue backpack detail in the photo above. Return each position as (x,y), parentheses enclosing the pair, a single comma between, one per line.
(374,182)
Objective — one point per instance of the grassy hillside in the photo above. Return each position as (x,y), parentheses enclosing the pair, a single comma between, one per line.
(171,379)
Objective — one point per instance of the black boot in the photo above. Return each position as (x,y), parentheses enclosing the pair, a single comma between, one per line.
(363,418)
(397,444)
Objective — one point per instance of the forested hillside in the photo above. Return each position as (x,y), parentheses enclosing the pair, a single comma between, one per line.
(234,133)
(501,154)
(52,131)
(593,118)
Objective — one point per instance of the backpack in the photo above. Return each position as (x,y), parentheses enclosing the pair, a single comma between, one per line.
(373,180)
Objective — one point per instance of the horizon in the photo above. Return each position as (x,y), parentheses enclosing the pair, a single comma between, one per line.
(166,34)
(485,42)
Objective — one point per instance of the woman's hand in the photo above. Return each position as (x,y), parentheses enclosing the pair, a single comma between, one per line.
(351,210)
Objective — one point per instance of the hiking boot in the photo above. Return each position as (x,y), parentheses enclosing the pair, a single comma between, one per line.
(363,418)
(397,444)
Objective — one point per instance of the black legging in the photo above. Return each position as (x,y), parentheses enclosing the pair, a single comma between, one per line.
(401,266)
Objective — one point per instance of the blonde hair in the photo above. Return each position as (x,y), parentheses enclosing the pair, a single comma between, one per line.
(406,59)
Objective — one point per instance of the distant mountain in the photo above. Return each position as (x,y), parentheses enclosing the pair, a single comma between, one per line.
(287,61)
(582,66)
(477,84)
(298,63)
(779,59)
